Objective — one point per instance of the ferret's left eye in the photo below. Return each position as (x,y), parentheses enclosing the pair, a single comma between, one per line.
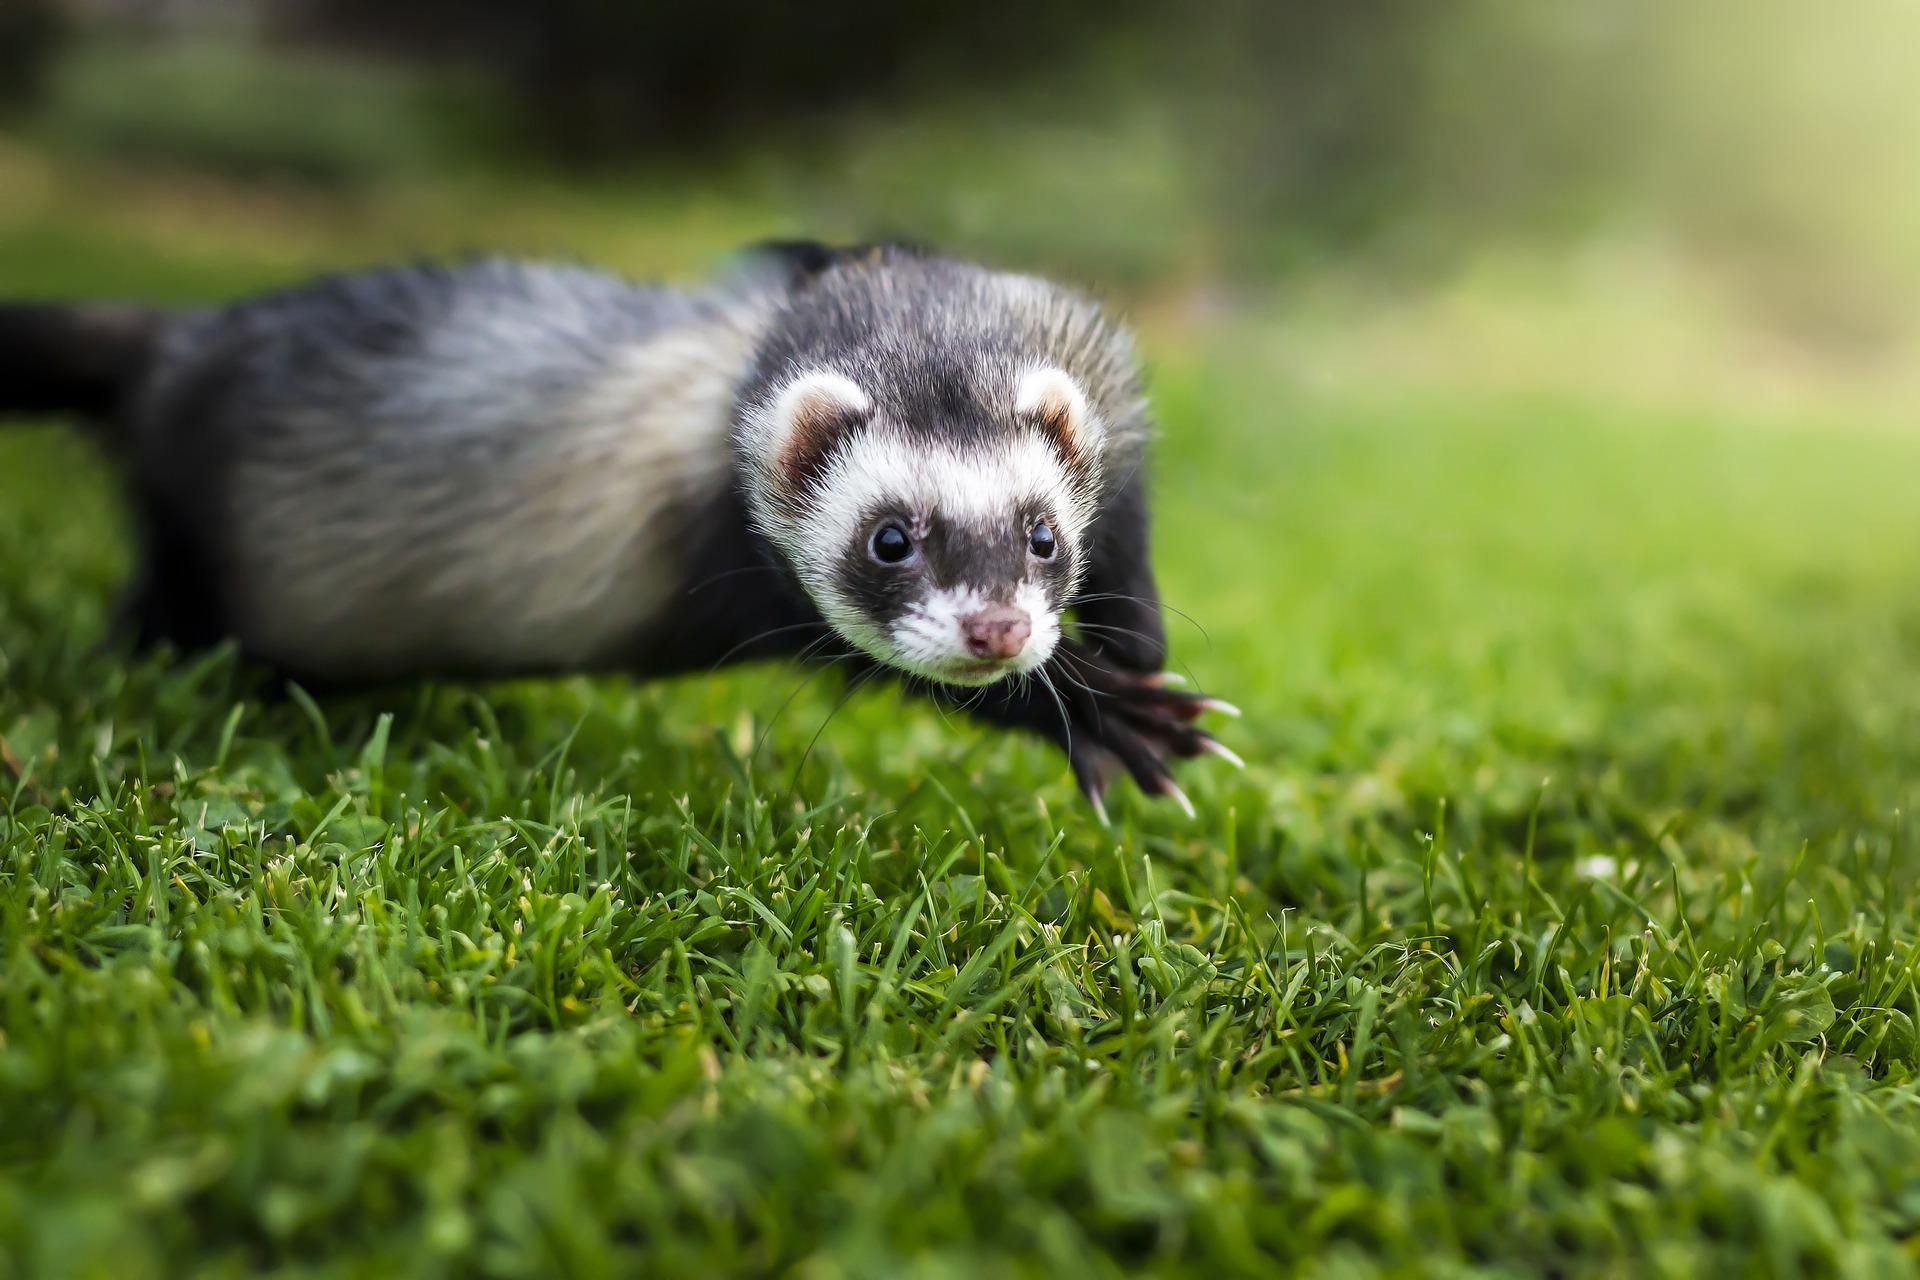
(1041,540)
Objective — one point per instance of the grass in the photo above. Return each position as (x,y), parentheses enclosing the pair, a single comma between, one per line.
(1564,921)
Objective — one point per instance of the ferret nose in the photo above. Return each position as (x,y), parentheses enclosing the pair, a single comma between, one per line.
(998,631)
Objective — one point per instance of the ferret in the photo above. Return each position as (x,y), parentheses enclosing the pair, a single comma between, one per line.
(875,455)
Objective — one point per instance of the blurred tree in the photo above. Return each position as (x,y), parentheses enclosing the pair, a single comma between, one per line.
(602,79)
(1329,123)
(31,33)
(1310,110)
(1304,123)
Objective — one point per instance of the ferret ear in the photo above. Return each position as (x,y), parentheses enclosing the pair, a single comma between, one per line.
(1052,402)
(809,417)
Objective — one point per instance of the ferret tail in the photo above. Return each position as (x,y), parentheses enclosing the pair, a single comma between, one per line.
(81,360)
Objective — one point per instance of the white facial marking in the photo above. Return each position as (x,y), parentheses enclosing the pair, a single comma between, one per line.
(979,484)
(928,639)
(1032,597)
(875,470)
(982,485)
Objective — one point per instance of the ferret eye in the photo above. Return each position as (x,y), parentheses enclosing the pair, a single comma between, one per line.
(891,544)
(1041,540)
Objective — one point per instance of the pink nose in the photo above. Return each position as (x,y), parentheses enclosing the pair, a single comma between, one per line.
(997,631)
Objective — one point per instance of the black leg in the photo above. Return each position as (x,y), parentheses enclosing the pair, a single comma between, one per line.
(175,594)
(1119,602)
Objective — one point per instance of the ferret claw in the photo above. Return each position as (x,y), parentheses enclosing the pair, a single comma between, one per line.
(1141,723)
(1216,747)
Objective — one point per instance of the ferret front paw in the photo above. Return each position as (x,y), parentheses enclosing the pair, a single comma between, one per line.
(1132,722)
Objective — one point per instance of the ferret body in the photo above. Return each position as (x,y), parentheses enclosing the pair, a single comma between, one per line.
(505,467)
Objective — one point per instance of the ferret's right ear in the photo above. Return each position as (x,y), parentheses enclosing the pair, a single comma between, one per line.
(810,416)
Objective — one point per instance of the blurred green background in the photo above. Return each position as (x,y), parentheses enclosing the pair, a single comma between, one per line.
(1703,200)
(1540,472)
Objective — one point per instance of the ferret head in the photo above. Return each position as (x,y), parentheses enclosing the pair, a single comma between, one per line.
(939,521)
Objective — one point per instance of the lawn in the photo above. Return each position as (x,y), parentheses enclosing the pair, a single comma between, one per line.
(1563,921)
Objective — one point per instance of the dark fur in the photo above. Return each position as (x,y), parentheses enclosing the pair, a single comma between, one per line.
(79,360)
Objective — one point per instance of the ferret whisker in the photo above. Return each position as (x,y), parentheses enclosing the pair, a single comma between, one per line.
(825,665)
(1099,721)
(853,686)
(1185,667)
(936,693)
(1088,689)
(1149,604)
(1109,629)
(768,634)
(1066,721)
(731,573)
